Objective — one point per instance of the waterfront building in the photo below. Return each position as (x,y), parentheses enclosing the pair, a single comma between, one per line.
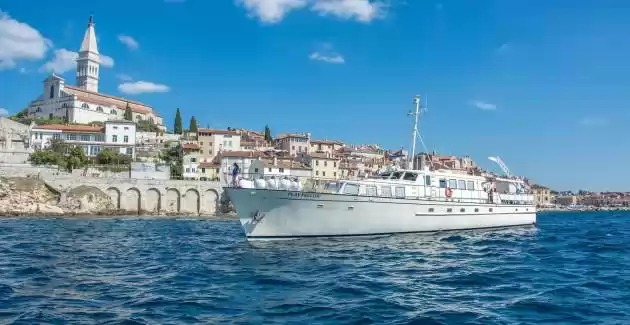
(542,195)
(243,159)
(327,147)
(84,103)
(119,136)
(190,160)
(278,168)
(212,142)
(293,144)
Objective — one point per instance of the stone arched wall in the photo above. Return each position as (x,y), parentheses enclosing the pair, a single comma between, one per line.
(131,200)
(190,201)
(114,194)
(209,202)
(172,200)
(152,201)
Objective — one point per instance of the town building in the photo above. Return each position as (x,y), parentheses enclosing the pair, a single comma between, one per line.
(83,103)
(212,142)
(327,147)
(542,195)
(566,200)
(190,160)
(293,144)
(119,136)
(243,159)
(323,167)
(277,168)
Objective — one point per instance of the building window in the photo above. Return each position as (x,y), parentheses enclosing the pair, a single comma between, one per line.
(52,91)
(85,105)
(188,170)
(114,138)
(317,173)
(281,170)
(126,139)
(325,163)
(316,162)
(85,137)
(126,128)
(115,128)
(334,174)
(193,159)
(270,170)
(203,170)
(113,112)
(56,136)
(99,109)
(72,136)
(335,164)
(442,183)
(324,173)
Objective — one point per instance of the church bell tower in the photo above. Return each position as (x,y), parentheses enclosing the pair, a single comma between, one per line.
(89,60)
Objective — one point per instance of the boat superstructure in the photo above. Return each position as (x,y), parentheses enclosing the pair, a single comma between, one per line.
(397,200)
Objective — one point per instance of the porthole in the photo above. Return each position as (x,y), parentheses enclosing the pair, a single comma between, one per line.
(490,209)
(462,210)
(476,209)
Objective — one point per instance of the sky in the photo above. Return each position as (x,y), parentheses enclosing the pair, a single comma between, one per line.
(545,85)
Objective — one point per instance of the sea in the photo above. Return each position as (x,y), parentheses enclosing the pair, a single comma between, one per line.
(572,268)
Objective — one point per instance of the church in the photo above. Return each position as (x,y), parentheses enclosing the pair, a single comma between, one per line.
(83,103)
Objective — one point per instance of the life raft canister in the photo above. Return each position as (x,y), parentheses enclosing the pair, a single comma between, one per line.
(448,192)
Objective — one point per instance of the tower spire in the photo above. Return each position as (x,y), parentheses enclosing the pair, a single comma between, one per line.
(88,61)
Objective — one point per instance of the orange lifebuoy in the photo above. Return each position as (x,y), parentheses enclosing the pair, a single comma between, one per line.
(448,192)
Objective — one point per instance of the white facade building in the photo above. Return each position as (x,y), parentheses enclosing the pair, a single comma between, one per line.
(83,104)
(114,135)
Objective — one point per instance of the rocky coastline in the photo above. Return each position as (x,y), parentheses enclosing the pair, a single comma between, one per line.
(31,197)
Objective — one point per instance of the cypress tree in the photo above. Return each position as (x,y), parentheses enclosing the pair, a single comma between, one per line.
(128,113)
(268,137)
(177,129)
(193,125)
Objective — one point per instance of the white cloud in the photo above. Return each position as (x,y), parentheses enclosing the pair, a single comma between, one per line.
(139,87)
(593,121)
(19,41)
(503,48)
(361,10)
(107,61)
(4,112)
(66,60)
(333,58)
(484,105)
(273,11)
(124,77)
(131,43)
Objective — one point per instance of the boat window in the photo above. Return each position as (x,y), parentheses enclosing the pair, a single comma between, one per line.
(490,210)
(397,175)
(462,210)
(452,183)
(449,210)
(351,189)
(430,209)
(476,209)
(385,175)
(461,185)
(400,191)
(386,191)
(442,183)
(427,180)
(370,190)
(410,176)
(470,185)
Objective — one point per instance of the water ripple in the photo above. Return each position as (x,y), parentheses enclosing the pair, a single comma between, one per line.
(571,269)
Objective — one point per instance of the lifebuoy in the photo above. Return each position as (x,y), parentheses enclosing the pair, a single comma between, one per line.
(448,192)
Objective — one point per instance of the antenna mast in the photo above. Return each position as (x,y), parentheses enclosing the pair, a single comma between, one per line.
(416,100)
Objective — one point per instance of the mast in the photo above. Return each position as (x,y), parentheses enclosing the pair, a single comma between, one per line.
(416,101)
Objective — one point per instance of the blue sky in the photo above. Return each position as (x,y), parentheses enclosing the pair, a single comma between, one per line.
(543,84)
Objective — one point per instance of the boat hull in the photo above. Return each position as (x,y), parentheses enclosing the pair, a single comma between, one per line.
(276,214)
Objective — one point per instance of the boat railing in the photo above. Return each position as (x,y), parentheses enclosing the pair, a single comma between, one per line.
(377,188)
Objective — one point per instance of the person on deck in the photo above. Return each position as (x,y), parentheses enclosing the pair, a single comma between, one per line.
(235,171)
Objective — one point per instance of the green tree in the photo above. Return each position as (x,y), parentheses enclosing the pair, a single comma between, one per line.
(193,125)
(146,126)
(177,129)
(58,146)
(128,113)
(268,137)
(174,155)
(111,157)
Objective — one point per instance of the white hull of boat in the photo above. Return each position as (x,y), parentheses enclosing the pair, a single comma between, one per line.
(276,214)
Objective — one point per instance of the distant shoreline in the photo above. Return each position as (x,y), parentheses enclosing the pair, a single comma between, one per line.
(590,209)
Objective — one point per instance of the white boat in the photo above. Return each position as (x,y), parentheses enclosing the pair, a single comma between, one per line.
(393,202)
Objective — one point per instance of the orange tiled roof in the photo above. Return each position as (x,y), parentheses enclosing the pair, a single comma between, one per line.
(71,128)
(213,131)
(107,100)
(207,164)
(242,154)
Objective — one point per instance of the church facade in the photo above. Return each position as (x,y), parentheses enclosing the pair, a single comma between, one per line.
(83,103)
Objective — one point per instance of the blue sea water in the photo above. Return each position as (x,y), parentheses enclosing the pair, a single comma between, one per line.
(572,269)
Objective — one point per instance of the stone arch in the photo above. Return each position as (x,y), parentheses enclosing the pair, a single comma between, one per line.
(191,201)
(210,202)
(114,194)
(171,200)
(131,200)
(153,201)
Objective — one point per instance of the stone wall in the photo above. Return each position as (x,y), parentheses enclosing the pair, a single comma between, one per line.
(142,196)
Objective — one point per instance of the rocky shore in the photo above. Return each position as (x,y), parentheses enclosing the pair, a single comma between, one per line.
(29,196)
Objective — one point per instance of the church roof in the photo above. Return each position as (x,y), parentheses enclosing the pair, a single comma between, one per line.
(107,100)
(89,39)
